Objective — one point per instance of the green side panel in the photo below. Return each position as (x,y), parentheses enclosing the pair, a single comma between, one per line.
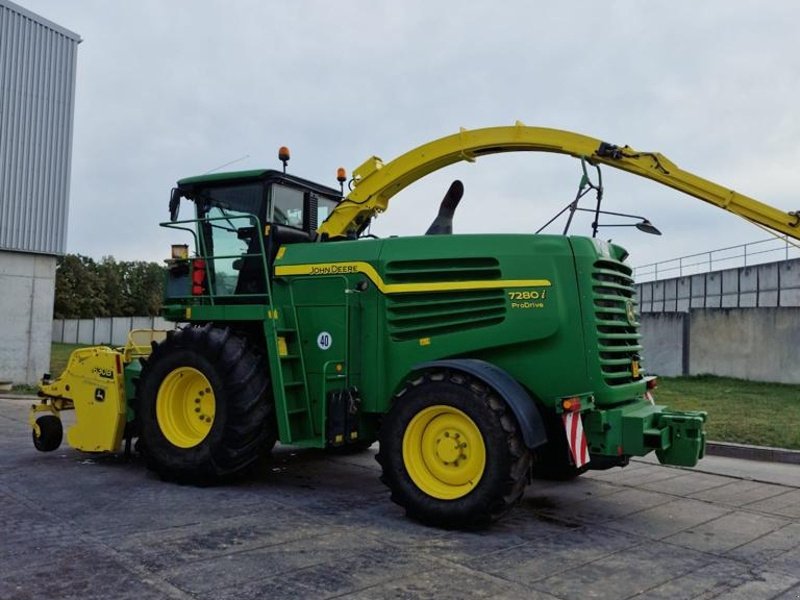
(225,312)
(131,374)
(528,331)
(533,331)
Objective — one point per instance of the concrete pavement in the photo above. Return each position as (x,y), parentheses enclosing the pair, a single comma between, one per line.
(318,526)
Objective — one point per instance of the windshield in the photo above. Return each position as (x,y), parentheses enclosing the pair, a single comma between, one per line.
(245,199)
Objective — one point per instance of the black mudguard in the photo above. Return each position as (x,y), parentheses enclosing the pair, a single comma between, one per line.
(522,405)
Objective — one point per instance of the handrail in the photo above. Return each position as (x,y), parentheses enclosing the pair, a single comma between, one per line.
(201,252)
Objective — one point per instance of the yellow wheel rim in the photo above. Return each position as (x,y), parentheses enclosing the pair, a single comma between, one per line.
(185,407)
(443,452)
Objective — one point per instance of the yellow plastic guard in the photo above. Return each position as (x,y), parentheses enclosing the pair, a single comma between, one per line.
(139,343)
(93,381)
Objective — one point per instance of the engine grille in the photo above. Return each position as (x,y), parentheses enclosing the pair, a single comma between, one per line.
(419,315)
(618,337)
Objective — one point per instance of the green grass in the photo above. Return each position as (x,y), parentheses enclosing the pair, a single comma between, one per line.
(59,356)
(745,412)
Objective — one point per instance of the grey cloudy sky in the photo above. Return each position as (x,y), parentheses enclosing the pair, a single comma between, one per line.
(171,89)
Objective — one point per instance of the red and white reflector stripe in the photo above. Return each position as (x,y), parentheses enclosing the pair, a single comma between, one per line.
(576,438)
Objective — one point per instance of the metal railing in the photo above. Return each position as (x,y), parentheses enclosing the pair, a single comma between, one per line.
(743,255)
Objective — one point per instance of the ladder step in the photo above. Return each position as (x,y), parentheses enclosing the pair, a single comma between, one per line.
(293,384)
(284,331)
(297,411)
(289,357)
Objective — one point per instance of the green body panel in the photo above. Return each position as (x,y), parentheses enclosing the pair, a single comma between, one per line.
(131,374)
(359,316)
(222,177)
(397,331)
(549,344)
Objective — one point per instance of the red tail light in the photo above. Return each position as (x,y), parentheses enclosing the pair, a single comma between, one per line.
(198,277)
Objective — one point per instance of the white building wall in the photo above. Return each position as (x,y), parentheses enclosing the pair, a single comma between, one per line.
(27,287)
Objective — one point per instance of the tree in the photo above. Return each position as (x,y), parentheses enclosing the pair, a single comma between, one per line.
(87,289)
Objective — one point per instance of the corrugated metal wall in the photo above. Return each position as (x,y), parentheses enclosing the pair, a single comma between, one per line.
(37,97)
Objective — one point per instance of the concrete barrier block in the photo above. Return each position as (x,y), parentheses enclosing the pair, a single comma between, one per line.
(729,300)
(141,322)
(748,279)
(790,297)
(70,331)
(790,274)
(698,285)
(684,287)
(162,323)
(730,281)
(102,331)
(57,330)
(645,292)
(670,289)
(86,331)
(748,299)
(768,277)
(768,299)
(120,326)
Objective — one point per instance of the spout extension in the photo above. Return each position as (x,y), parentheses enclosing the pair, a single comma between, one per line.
(443,223)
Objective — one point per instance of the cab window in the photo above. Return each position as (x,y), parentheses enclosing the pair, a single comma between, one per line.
(325,207)
(287,206)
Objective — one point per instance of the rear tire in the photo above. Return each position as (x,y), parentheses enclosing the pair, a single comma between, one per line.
(451,452)
(205,406)
(51,433)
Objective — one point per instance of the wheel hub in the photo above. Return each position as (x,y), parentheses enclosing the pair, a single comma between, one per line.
(449,448)
(185,407)
(444,452)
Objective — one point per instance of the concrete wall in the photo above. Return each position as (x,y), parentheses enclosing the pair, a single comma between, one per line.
(27,288)
(111,331)
(759,344)
(664,341)
(767,285)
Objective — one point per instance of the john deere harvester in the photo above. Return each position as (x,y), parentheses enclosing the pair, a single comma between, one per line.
(476,361)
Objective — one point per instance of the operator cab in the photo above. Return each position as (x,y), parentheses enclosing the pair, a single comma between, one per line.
(241,220)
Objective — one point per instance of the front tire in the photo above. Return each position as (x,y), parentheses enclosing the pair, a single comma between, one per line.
(51,432)
(204,405)
(451,451)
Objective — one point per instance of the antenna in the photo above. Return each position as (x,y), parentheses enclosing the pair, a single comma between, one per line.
(227,164)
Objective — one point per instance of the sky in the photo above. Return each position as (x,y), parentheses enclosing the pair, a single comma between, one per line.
(167,90)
